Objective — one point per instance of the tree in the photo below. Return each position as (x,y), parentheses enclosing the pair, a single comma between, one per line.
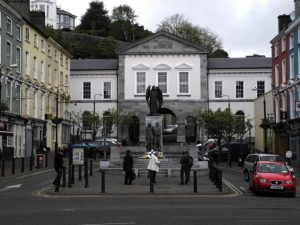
(178,25)
(123,19)
(219,53)
(96,18)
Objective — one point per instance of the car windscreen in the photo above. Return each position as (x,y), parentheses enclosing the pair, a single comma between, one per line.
(275,158)
(272,168)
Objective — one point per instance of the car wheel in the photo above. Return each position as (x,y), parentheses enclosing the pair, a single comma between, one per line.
(255,192)
(246,175)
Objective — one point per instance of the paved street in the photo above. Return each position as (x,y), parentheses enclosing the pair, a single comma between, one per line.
(23,201)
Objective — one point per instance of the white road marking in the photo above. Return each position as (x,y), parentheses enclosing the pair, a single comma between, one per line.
(126,223)
(11,187)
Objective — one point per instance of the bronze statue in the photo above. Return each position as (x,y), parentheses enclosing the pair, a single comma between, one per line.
(154,99)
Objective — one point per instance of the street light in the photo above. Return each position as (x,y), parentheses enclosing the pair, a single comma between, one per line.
(32,124)
(95,133)
(228,100)
(265,124)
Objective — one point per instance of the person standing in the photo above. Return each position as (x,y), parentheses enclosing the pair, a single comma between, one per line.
(288,156)
(153,166)
(127,167)
(58,166)
(185,168)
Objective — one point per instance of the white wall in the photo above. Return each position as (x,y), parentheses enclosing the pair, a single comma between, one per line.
(151,77)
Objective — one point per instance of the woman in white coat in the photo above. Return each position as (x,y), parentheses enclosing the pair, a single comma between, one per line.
(153,166)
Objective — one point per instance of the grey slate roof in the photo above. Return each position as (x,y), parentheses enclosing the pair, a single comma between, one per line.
(239,63)
(94,64)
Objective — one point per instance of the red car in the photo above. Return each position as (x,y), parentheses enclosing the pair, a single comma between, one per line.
(273,177)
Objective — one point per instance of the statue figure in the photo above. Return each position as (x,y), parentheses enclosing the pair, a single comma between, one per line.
(149,137)
(154,99)
(157,135)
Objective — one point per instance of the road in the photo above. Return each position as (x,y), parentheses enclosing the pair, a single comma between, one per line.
(19,206)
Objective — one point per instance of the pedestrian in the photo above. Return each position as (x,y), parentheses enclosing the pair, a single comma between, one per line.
(58,166)
(185,169)
(288,156)
(153,166)
(127,167)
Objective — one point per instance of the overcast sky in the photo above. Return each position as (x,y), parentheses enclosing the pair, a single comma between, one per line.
(244,26)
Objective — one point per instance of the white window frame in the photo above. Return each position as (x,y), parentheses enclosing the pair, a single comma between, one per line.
(19,60)
(137,84)
(276,75)
(90,90)
(106,96)
(0,42)
(36,41)
(8,94)
(261,89)
(0,20)
(35,68)
(42,106)
(19,33)
(283,44)
(160,84)
(27,34)
(10,52)
(27,101)
(27,62)
(276,49)
(49,74)
(298,34)
(35,109)
(43,45)
(9,31)
(283,72)
(217,90)
(292,67)
(183,83)
(236,89)
(291,41)
(42,71)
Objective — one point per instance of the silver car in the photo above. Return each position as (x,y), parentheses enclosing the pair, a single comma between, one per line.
(253,158)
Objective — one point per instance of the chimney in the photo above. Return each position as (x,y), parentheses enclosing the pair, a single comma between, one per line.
(297,8)
(37,18)
(283,22)
(22,6)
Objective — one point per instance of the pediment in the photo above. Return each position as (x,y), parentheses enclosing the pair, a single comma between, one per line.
(162,66)
(162,43)
(184,66)
(141,67)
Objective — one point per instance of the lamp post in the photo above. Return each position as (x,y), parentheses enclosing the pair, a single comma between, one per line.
(95,133)
(265,124)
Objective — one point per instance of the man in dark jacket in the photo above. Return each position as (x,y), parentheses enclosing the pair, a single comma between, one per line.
(127,167)
(58,166)
(185,168)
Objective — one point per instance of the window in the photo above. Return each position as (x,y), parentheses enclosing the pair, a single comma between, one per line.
(27,101)
(283,44)
(276,49)
(61,59)
(49,74)
(27,63)
(86,90)
(27,37)
(140,82)
(49,50)
(260,88)
(19,33)
(18,98)
(183,82)
(35,110)
(42,71)
(67,63)
(107,90)
(218,89)
(8,95)
(162,79)
(55,55)
(283,71)
(18,60)
(8,26)
(0,42)
(35,41)
(276,75)
(43,45)
(61,79)
(0,19)
(35,68)
(291,42)
(291,66)
(61,18)
(42,8)
(239,89)
(8,53)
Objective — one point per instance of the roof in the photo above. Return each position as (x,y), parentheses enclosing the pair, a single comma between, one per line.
(94,64)
(64,12)
(239,63)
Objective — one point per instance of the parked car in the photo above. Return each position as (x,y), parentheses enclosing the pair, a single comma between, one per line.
(170,129)
(253,158)
(217,153)
(108,142)
(272,176)
(208,145)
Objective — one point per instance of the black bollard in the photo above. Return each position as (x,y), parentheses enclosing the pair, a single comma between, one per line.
(102,181)
(73,174)
(86,174)
(3,168)
(79,173)
(220,180)
(195,182)
(91,167)
(13,166)
(69,176)
(22,165)
(46,160)
(151,183)
(64,177)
